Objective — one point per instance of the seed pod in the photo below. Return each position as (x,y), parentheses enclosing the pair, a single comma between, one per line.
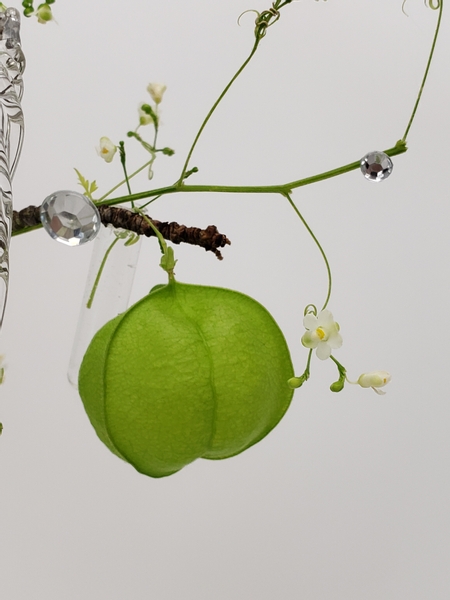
(187,372)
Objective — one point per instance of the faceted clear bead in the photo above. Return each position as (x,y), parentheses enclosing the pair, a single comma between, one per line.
(376,166)
(70,218)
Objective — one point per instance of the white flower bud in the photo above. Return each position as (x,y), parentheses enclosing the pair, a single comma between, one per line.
(374,380)
(156,91)
(106,149)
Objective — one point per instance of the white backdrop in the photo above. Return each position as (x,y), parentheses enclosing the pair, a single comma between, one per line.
(347,499)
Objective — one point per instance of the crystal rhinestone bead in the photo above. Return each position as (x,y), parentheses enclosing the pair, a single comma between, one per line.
(376,166)
(70,218)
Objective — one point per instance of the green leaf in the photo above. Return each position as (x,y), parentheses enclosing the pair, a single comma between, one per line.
(88,187)
(156,287)
(93,187)
(187,372)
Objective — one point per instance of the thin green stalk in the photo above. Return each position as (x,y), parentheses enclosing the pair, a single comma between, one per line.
(123,161)
(308,365)
(342,370)
(430,58)
(159,237)
(284,188)
(99,274)
(26,229)
(214,106)
(149,202)
(330,281)
(122,182)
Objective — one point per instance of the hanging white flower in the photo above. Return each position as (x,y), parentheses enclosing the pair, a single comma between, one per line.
(156,91)
(106,149)
(322,334)
(374,380)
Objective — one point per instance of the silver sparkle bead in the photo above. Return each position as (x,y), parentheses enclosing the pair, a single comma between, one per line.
(376,166)
(70,218)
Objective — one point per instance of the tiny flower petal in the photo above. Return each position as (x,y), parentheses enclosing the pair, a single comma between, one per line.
(325,319)
(156,91)
(106,149)
(335,341)
(379,392)
(310,321)
(309,340)
(323,351)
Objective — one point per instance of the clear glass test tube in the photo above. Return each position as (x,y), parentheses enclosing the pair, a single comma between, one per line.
(112,293)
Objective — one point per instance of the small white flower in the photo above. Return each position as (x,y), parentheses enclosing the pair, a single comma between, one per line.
(374,380)
(106,149)
(156,91)
(322,334)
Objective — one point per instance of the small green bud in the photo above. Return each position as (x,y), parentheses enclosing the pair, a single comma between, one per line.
(148,110)
(168,261)
(296,382)
(44,13)
(337,386)
(28,11)
(1,428)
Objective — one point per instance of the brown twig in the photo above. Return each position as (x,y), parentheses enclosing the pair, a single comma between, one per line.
(210,238)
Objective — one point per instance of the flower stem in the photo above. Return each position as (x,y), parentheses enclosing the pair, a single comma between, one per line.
(330,281)
(342,370)
(123,161)
(99,274)
(213,108)
(122,182)
(430,58)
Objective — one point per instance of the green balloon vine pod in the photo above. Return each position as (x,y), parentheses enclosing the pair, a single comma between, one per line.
(187,372)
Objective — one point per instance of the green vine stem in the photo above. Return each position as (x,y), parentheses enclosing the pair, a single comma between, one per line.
(284,188)
(430,58)
(212,110)
(324,256)
(99,274)
(262,23)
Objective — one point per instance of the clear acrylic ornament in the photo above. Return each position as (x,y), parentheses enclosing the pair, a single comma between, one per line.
(108,287)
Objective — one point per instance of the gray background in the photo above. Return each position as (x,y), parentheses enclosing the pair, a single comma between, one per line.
(347,499)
